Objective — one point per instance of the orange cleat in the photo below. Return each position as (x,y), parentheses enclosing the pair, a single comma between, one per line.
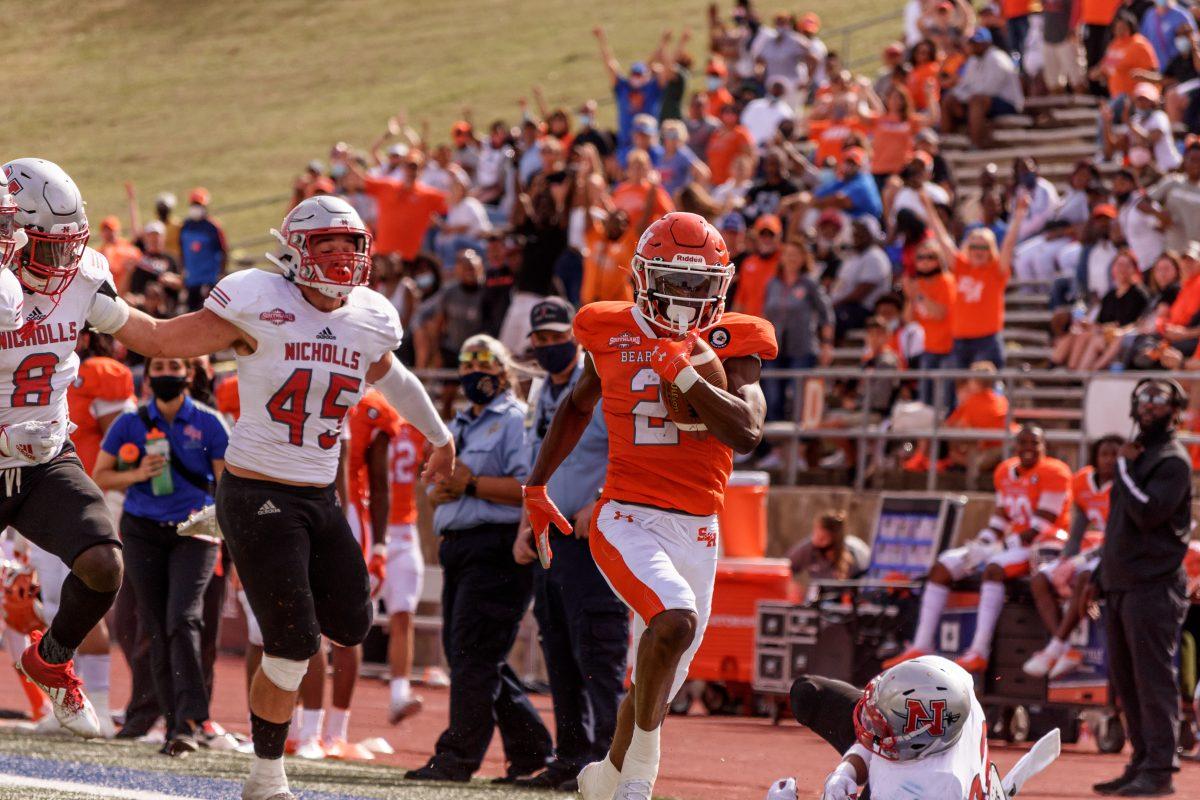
(972,662)
(907,655)
(347,751)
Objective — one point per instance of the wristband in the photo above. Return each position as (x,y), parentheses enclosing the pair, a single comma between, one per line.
(379,549)
(686,378)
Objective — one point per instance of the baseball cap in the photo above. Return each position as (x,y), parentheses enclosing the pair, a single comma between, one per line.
(1105,210)
(154,226)
(460,128)
(768,222)
(732,221)
(1147,91)
(981,36)
(830,217)
(199,196)
(398,150)
(551,314)
(644,123)
(112,223)
(810,23)
(894,50)
(853,155)
(638,68)
(166,199)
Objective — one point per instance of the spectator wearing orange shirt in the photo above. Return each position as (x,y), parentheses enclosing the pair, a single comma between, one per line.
(715,75)
(981,275)
(312,183)
(893,134)
(757,270)
(120,252)
(606,262)
(1127,51)
(1097,18)
(640,195)
(933,294)
(922,79)
(406,208)
(727,143)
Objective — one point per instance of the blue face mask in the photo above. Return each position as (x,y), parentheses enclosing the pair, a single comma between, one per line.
(714,83)
(554,358)
(585,120)
(337,171)
(480,388)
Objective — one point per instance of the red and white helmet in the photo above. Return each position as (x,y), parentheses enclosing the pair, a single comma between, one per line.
(333,274)
(681,271)
(914,709)
(50,210)
(12,235)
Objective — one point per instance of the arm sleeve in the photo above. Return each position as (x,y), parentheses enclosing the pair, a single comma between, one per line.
(1152,505)
(406,394)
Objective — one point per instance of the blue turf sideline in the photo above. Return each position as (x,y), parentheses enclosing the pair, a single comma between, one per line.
(164,783)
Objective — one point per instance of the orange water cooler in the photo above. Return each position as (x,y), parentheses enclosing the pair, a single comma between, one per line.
(743,520)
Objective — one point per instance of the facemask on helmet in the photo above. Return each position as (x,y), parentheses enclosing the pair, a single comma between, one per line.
(50,211)
(681,272)
(12,235)
(313,249)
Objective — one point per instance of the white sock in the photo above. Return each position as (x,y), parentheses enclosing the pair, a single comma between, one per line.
(269,771)
(294,728)
(310,723)
(1056,648)
(94,672)
(337,722)
(991,603)
(933,600)
(401,690)
(641,759)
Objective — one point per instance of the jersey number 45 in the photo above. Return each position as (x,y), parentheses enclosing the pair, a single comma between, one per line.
(289,405)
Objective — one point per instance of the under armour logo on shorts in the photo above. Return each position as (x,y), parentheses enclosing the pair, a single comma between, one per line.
(626,517)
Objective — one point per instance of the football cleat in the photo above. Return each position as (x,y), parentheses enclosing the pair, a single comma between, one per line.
(71,706)
(597,781)
(213,737)
(972,662)
(346,751)
(310,749)
(266,788)
(1039,664)
(907,655)
(635,789)
(398,712)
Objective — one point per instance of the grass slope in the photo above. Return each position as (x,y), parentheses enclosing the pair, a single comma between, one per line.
(238,96)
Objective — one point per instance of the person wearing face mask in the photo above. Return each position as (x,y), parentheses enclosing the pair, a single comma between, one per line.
(169,573)
(1160,25)
(717,94)
(830,553)
(1149,138)
(583,626)
(485,591)
(457,314)
(588,133)
(1143,584)
(203,249)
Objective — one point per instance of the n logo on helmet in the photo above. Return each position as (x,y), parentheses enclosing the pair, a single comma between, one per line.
(919,717)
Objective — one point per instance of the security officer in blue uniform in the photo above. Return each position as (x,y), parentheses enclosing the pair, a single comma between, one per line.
(584,628)
(485,593)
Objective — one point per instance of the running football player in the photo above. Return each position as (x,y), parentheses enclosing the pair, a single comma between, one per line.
(1071,575)
(307,343)
(1033,502)
(916,733)
(46,495)
(654,535)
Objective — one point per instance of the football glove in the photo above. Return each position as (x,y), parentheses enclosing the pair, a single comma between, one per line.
(542,514)
(377,568)
(33,442)
(670,356)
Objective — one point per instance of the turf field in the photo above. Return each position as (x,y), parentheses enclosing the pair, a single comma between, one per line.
(239,96)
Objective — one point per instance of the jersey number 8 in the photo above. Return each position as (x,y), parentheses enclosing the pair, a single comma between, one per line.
(288,406)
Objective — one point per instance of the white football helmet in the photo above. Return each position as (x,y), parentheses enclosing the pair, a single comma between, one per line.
(12,235)
(332,273)
(50,210)
(915,709)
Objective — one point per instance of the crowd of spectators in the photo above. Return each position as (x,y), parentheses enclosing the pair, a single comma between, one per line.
(846,222)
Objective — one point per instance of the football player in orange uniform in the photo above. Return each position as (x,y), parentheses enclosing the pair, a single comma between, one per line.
(1070,576)
(1033,503)
(654,531)
(385,452)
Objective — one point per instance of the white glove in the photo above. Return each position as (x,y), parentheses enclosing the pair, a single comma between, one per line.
(840,785)
(32,442)
(782,789)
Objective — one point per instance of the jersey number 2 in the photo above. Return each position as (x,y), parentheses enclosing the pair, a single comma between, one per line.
(288,406)
(31,380)
(650,423)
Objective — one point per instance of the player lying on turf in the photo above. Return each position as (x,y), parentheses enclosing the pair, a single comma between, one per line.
(916,733)
(654,533)
(1033,500)
(1070,576)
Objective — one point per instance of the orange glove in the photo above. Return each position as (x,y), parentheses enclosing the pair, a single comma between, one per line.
(670,356)
(377,568)
(542,514)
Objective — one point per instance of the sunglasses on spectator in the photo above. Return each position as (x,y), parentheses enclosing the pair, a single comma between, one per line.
(477,357)
(1154,399)
(927,257)
(978,247)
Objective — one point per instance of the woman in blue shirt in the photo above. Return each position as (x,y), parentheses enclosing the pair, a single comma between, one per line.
(168,572)
(484,591)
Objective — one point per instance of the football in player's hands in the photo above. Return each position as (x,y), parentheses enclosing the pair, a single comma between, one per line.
(710,368)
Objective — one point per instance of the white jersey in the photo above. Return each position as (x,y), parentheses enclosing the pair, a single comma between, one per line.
(959,773)
(38,364)
(309,369)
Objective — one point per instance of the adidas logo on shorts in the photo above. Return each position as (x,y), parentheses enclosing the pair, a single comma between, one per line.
(268,508)
(326,334)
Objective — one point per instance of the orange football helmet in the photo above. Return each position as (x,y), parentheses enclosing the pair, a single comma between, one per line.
(681,271)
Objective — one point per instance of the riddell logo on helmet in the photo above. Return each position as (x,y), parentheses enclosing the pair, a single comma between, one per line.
(277,316)
(624,339)
(688,258)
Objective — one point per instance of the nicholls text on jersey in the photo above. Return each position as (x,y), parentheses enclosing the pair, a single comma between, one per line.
(324,352)
(44,334)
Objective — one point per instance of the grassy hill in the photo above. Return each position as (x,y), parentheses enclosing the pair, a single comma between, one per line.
(238,96)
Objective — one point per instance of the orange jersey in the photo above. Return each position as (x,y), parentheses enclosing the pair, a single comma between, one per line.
(979,299)
(104,386)
(651,461)
(1091,499)
(1020,494)
(371,416)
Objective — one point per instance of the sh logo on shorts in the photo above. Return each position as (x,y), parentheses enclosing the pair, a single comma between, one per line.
(707,536)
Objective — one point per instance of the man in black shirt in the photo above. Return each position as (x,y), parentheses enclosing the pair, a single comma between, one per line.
(766,194)
(156,266)
(1144,586)
(588,133)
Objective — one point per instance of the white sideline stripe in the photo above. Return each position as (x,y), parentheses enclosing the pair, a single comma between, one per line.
(24,782)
